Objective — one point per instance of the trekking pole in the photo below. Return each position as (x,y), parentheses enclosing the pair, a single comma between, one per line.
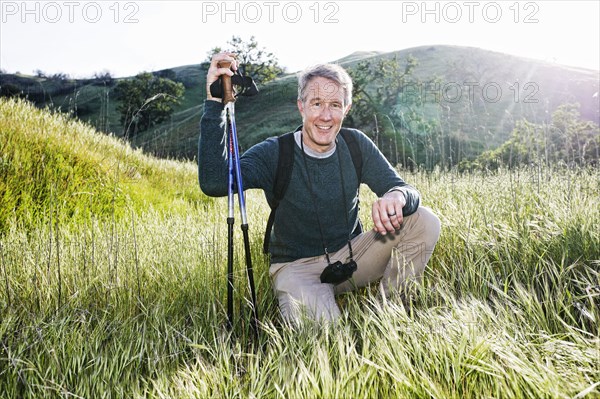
(235,176)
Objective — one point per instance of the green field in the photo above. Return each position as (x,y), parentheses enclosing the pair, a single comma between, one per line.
(112,285)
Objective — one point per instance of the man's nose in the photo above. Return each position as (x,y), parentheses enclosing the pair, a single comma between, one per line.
(325,112)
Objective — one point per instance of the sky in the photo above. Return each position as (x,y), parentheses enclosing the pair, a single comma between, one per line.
(81,38)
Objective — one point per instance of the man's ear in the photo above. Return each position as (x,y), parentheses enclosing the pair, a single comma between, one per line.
(347,110)
(300,106)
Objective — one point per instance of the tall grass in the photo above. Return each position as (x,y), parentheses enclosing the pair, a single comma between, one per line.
(50,164)
(134,306)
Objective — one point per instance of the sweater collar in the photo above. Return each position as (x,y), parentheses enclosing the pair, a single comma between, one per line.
(312,153)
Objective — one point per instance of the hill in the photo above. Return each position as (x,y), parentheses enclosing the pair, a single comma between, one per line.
(477,96)
(55,167)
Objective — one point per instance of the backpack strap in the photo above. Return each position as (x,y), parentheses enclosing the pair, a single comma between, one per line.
(352,142)
(285,164)
(355,153)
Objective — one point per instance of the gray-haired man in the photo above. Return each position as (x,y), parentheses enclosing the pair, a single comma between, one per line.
(316,223)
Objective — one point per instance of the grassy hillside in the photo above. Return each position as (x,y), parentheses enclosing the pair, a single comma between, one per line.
(51,165)
(134,306)
(480,95)
(515,88)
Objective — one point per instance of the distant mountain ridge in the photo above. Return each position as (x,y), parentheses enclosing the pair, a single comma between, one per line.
(501,89)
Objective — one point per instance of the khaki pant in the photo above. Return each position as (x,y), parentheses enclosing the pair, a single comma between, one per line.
(393,259)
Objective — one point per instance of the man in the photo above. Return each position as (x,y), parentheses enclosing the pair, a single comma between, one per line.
(316,223)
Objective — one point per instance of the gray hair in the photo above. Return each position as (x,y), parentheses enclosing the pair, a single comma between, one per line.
(332,72)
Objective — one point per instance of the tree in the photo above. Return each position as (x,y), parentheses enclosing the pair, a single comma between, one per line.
(572,139)
(59,77)
(146,100)
(388,103)
(253,61)
(103,78)
(10,90)
(567,138)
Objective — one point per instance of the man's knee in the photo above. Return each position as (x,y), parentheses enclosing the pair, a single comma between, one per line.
(424,233)
(430,222)
(424,223)
(303,297)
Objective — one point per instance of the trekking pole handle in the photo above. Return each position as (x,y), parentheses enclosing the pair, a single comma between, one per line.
(228,96)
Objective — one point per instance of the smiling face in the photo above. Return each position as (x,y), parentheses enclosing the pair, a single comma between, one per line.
(323,111)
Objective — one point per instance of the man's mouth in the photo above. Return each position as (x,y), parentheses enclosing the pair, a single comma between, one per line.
(323,127)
